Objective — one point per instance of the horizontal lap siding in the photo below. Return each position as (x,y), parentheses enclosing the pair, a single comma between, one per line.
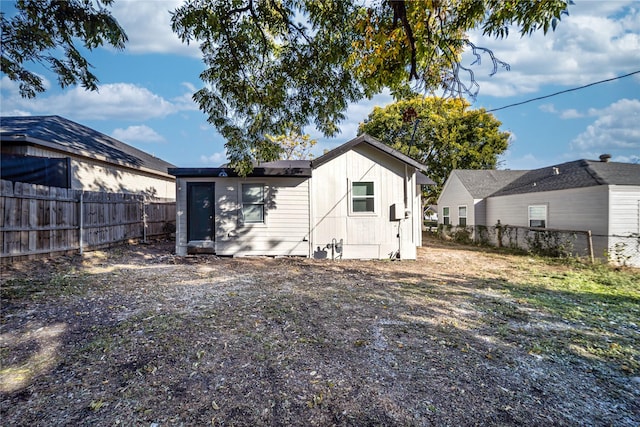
(286,227)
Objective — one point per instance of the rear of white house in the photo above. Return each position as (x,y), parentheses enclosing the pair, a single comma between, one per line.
(597,196)
(360,200)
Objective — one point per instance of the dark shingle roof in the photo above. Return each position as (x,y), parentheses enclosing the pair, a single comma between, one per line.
(58,133)
(483,183)
(290,168)
(576,174)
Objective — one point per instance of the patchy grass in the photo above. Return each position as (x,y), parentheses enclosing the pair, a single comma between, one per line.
(459,337)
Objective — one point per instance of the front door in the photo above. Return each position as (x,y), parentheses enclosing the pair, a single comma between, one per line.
(200,197)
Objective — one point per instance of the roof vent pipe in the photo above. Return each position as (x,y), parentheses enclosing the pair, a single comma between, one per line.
(556,171)
(605,158)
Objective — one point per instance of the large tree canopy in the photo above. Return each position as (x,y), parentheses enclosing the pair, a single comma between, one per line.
(443,134)
(275,62)
(43,29)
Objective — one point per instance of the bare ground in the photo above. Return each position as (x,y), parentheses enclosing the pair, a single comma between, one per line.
(137,336)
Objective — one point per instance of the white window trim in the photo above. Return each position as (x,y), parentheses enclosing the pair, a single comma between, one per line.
(241,220)
(376,199)
(446,216)
(546,214)
(466,215)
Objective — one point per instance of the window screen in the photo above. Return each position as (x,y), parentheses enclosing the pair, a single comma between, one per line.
(362,197)
(253,203)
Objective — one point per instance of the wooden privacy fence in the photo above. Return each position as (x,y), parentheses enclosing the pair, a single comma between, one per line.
(37,220)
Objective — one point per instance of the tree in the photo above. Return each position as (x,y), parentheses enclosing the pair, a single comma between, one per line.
(443,134)
(41,28)
(272,62)
(294,145)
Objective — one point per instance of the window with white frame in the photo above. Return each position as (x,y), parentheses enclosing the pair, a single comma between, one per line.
(362,197)
(253,203)
(445,215)
(462,216)
(538,216)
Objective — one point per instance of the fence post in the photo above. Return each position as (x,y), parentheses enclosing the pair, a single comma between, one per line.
(590,246)
(81,221)
(144,219)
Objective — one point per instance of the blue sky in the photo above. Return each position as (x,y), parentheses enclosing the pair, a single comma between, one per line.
(145,91)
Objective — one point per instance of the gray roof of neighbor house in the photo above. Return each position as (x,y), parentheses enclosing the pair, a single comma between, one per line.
(60,134)
(576,174)
(482,183)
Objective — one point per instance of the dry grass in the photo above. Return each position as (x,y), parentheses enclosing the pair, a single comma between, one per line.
(136,336)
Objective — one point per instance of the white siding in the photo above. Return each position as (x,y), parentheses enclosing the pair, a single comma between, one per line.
(93,175)
(364,236)
(285,231)
(455,194)
(571,209)
(624,220)
(624,204)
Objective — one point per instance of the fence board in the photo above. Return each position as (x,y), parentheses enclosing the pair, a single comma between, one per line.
(35,219)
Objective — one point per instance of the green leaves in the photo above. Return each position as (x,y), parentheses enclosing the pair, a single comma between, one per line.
(271,63)
(40,27)
(448,135)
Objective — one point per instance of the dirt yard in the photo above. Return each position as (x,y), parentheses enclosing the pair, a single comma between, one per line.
(137,336)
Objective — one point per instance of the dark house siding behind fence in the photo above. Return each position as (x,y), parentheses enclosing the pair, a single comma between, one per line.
(38,220)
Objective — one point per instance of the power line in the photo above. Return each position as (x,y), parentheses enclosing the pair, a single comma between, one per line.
(563,91)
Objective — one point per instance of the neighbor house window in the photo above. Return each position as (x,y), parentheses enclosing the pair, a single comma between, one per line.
(445,216)
(538,216)
(253,203)
(362,197)
(462,216)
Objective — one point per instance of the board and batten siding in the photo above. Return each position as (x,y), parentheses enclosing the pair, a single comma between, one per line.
(284,232)
(580,209)
(453,195)
(364,235)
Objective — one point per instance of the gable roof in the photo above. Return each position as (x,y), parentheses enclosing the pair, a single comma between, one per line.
(60,134)
(482,183)
(575,174)
(302,168)
(369,140)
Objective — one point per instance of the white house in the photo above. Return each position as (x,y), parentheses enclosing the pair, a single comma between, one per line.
(360,200)
(600,196)
(54,151)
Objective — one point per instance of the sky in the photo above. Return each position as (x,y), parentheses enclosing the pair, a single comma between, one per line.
(144,96)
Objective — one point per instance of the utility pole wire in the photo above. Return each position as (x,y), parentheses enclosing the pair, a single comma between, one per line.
(563,91)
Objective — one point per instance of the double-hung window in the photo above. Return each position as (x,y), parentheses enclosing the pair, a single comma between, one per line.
(445,215)
(462,216)
(538,216)
(362,197)
(253,203)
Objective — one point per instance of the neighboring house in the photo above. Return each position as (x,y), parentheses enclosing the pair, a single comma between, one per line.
(600,196)
(360,200)
(462,201)
(54,151)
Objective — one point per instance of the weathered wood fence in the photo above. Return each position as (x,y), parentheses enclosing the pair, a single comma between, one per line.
(36,220)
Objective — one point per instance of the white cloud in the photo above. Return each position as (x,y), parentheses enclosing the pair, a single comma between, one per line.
(616,128)
(598,40)
(111,101)
(141,133)
(215,159)
(570,113)
(148,26)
